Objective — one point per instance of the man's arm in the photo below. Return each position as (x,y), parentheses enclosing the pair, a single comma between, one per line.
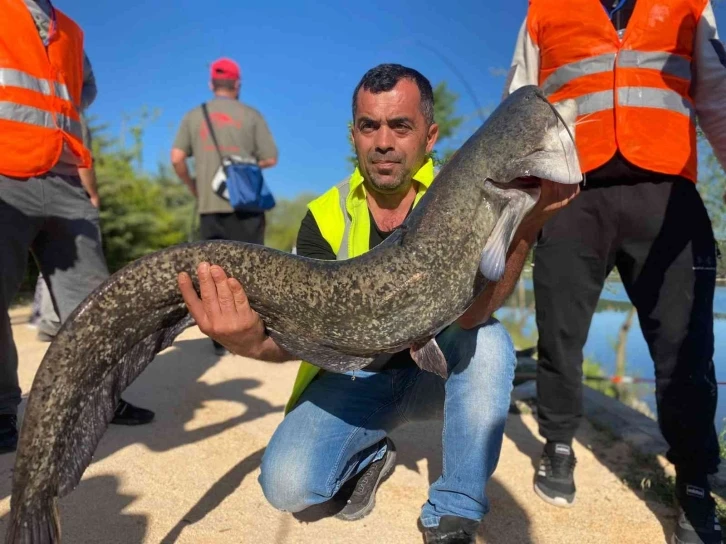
(89,89)
(524,69)
(88,175)
(264,144)
(179,162)
(709,88)
(88,180)
(554,197)
(180,150)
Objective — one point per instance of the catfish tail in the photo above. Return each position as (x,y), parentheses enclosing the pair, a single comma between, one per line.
(40,527)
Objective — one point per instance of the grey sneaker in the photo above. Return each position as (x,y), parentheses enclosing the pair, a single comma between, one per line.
(362,499)
(554,482)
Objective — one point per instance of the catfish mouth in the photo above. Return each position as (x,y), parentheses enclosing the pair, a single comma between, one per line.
(530,185)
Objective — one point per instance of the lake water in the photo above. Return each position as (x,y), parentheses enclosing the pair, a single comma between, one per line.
(610,315)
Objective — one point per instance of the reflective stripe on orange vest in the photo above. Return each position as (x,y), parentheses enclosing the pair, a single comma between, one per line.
(644,97)
(18,78)
(34,116)
(663,62)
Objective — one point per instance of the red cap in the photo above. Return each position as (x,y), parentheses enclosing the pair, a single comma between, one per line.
(225,69)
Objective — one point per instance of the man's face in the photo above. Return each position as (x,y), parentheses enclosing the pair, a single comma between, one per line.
(391,136)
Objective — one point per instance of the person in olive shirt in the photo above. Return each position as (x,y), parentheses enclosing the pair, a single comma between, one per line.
(242,133)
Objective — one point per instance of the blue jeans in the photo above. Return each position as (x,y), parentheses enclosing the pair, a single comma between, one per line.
(337,427)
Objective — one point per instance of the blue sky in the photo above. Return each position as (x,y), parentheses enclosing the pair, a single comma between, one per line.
(300,62)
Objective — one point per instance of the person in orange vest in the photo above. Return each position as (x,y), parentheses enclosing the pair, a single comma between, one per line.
(45,82)
(47,321)
(642,72)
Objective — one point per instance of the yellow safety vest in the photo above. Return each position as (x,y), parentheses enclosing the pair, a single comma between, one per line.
(342,216)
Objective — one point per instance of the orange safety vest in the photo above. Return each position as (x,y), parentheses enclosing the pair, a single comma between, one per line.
(40,93)
(632,95)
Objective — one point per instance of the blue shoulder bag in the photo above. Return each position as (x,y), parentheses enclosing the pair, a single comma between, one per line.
(244,182)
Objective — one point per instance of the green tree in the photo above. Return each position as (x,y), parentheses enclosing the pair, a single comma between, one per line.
(283,221)
(140,213)
(445,116)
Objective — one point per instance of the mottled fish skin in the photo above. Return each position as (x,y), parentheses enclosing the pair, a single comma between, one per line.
(336,314)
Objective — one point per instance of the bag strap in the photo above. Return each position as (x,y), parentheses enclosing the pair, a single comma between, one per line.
(211,131)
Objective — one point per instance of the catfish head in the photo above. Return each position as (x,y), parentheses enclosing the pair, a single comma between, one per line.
(525,140)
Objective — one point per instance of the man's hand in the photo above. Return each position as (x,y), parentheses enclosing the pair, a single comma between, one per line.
(224,314)
(90,184)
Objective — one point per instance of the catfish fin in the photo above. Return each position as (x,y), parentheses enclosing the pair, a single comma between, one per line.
(494,256)
(318,355)
(428,356)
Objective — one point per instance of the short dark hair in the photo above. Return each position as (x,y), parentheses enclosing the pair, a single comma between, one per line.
(225,84)
(384,77)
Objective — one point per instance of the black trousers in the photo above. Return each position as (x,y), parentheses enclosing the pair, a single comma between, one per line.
(237,226)
(658,235)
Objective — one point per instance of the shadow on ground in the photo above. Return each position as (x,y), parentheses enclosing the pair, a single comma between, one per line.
(416,442)
(613,454)
(171,387)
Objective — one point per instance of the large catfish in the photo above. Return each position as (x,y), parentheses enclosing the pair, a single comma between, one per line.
(339,315)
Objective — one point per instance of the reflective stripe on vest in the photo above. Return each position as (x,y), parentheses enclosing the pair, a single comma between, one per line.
(649,97)
(666,63)
(343,190)
(17,78)
(569,72)
(636,97)
(673,65)
(643,97)
(593,102)
(10,111)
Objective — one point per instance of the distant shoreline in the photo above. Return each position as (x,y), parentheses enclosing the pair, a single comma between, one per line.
(613,277)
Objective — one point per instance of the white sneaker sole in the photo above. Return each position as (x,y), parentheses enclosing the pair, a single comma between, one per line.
(557,501)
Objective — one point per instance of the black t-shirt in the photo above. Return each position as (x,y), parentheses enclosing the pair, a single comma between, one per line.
(310,243)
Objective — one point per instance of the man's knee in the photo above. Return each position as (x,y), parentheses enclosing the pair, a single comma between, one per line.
(485,358)
(291,480)
(490,349)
